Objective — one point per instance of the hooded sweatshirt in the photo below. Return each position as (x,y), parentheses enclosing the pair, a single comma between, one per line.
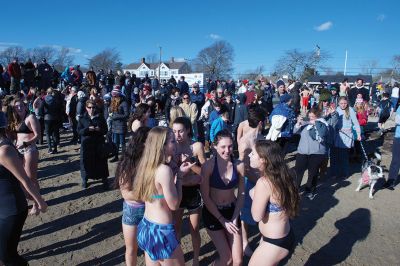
(240,110)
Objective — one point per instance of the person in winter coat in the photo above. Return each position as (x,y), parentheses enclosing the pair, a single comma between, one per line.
(93,164)
(14,70)
(313,149)
(29,74)
(91,77)
(183,86)
(240,115)
(52,116)
(73,102)
(119,116)
(344,138)
(173,100)
(191,112)
(220,123)
(284,111)
(45,75)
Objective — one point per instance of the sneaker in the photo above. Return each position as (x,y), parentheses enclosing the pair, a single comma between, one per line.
(84,184)
(50,151)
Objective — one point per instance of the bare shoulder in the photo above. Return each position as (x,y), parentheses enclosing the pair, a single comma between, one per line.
(163,171)
(198,147)
(240,166)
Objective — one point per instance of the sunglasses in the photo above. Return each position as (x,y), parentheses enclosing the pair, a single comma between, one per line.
(90,107)
(186,98)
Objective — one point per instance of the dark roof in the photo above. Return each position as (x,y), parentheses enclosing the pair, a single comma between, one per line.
(171,65)
(340,78)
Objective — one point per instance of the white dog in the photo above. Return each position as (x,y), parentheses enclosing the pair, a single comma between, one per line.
(370,175)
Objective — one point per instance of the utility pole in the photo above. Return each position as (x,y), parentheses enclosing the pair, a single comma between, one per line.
(345,64)
(159,67)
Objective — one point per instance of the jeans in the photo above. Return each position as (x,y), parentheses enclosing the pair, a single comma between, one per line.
(51,127)
(312,163)
(395,164)
(10,233)
(119,140)
(340,164)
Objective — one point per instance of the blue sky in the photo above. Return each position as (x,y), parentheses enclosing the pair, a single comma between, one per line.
(259,31)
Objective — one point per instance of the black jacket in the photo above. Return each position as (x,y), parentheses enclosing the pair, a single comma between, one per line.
(92,164)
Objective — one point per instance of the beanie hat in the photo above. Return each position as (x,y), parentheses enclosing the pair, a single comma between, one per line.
(116,91)
(280,83)
(245,81)
(285,98)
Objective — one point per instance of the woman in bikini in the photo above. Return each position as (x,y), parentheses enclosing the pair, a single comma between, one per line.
(156,185)
(27,131)
(189,151)
(221,176)
(133,210)
(275,201)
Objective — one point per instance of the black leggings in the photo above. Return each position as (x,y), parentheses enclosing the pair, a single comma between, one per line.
(312,163)
(10,233)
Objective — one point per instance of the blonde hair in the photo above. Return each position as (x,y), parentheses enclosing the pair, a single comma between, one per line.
(347,110)
(153,156)
(175,112)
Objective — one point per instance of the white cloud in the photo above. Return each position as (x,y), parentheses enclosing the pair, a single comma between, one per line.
(381,17)
(214,36)
(59,47)
(324,26)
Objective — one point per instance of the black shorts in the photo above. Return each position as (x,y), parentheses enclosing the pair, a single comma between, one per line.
(191,198)
(286,242)
(212,223)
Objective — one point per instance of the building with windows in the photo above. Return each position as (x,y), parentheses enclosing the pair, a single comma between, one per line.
(167,69)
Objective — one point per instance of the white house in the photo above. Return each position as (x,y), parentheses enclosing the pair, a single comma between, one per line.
(167,69)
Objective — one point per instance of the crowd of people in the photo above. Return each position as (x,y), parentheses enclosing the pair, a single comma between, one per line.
(217,152)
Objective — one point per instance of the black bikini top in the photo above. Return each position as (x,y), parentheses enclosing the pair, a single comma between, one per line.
(216,179)
(24,128)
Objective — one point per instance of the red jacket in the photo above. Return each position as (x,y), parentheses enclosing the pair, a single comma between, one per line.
(362,118)
(14,70)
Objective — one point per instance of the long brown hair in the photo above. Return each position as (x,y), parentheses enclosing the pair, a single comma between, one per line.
(126,169)
(115,102)
(14,120)
(278,174)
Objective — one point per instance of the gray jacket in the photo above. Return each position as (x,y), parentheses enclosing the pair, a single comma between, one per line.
(307,144)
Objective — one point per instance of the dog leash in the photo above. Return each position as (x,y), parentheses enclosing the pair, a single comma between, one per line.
(363,150)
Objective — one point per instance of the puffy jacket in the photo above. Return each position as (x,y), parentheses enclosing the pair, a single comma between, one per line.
(284,110)
(120,118)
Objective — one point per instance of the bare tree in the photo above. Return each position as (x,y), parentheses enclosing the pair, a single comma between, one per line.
(63,59)
(216,60)
(38,53)
(295,63)
(369,66)
(106,59)
(396,66)
(10,53)
(253,74)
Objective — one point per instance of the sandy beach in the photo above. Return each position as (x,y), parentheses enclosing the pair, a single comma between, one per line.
(83,227)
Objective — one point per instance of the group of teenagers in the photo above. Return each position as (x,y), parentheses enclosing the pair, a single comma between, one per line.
(163,172)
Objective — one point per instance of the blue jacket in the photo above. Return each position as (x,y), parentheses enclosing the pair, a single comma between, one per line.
(284,110)
(216,127)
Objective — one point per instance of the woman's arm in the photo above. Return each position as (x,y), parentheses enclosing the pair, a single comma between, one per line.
(33,125)
(241,191)
(10,160)
(172,192)
(260,199)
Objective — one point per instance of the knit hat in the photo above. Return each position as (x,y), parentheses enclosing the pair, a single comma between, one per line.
(245,81)
(280,83)
(285,98)
(116,91)
(3,120)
